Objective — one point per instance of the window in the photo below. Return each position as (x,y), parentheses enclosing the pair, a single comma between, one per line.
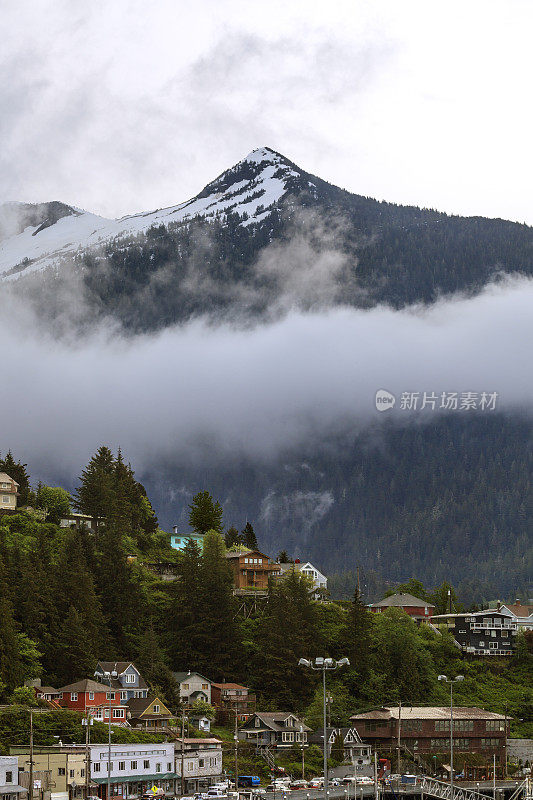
(493,645)
(482,644)
(91,695)
(205,686)
(5,486)
(200,762)
(146,764)
(5,499)
(82,773)
(9,777)
(494,725)
(184,685)
(287,737)
(61,771)
(96,767)
(123,695)
(73,696)
(133,765)
(118,713)
(257,722)
(504,634)
(98,714)
(442,725)
(130,677)
(121,766)
(158,767)
(169,766)
(71,773)
(156,709)
(110,695)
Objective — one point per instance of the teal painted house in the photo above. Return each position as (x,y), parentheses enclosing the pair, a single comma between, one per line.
(179,540)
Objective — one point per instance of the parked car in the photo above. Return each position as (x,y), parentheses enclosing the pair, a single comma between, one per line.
(364,780)
(299,784)
(316,783)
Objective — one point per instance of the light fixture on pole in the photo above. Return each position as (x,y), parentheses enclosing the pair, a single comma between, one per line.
(451,681)
(322,665)
(109,676)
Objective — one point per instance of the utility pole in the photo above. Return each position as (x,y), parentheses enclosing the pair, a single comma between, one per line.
(87,721)
(236,737)
(30,792)
(399,734)
(182,750)
(494,776)
(303,751)
(376,786)
(505,740)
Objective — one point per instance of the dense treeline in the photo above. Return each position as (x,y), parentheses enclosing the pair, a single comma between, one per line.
(69,597)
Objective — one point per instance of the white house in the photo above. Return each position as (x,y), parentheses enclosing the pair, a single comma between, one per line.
(134,767)
(9,778)
(317,578)
(193,686)
(8,492)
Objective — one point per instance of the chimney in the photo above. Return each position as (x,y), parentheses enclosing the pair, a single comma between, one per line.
(175,530)
(296,560)
(498,605)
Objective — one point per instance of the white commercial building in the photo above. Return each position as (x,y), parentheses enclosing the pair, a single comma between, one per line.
(9,778)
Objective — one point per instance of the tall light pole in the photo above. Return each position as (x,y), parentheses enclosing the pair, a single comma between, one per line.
(108,675)
(87,721)
(451,681)
(322,665)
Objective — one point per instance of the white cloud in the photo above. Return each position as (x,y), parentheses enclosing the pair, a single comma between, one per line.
(119,107)
(204,392)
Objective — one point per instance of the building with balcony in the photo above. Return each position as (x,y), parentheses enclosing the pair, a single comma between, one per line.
(231,698)
(202,763)
(128,683)
(251,569)
(426,730)
(481,633)
(317,580)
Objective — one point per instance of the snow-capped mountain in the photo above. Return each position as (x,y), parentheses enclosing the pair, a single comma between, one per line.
(263,237)
(43,234)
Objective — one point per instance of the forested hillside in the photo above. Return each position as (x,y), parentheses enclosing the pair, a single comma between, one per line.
(69,597)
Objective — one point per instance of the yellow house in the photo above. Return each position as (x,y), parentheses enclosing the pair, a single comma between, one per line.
(149,713)
(8,492)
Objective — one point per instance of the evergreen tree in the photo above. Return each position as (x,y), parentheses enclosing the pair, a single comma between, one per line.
(356,639)
(95,495)
(232,537)
(74,660)
(205,515)
(248,536)
(183,643)
(217,628)
(19,473)
(11,669)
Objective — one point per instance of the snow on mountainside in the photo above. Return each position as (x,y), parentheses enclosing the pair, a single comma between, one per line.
(251,188)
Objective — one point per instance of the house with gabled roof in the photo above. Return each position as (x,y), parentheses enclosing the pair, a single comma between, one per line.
(354,749)
(417,609)
(8,492)
(193,686)
(94,698)
(274,729)
(128,681)
(149,713)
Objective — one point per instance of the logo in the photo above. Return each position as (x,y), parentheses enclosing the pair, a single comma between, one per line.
(384,400)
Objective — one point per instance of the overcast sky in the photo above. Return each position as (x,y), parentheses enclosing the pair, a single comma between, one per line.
(119,106)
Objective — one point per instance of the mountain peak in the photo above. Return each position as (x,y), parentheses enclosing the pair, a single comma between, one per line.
(264,154)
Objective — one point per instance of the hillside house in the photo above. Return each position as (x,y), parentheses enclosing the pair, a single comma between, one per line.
(128,683)
(88,696)
(251,569)
(231,698)
(317,579)
(419,610)
(179,540)
(481,633)
(274,729)
(149,713)
(8,492)
(354,749)
(192,686)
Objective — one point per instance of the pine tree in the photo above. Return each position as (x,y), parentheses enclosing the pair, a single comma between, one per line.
(355,642)
(11,669)
(95,495)
(73,657)
(248,536)
(205,515)
(183,643)
(232,537)
(17,471)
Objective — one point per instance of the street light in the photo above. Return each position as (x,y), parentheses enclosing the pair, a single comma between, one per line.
(451,681)
(321,665)
(108,675)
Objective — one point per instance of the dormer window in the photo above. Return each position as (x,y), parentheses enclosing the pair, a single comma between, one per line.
(130,677)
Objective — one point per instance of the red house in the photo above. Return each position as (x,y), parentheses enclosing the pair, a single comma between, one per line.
(419,610)
(91,697)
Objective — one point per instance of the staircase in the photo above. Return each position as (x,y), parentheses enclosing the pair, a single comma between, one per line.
(443,791)
(268,756)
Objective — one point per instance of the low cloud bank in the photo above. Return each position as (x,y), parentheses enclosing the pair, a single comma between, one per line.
(200,392)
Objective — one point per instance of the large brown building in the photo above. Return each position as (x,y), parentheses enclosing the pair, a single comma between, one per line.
(251,569)
(426,730)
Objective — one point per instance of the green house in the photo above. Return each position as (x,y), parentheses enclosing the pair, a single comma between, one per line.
(179,540)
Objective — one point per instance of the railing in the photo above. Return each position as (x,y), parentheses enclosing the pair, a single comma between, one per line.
(510,626)
(444,790)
